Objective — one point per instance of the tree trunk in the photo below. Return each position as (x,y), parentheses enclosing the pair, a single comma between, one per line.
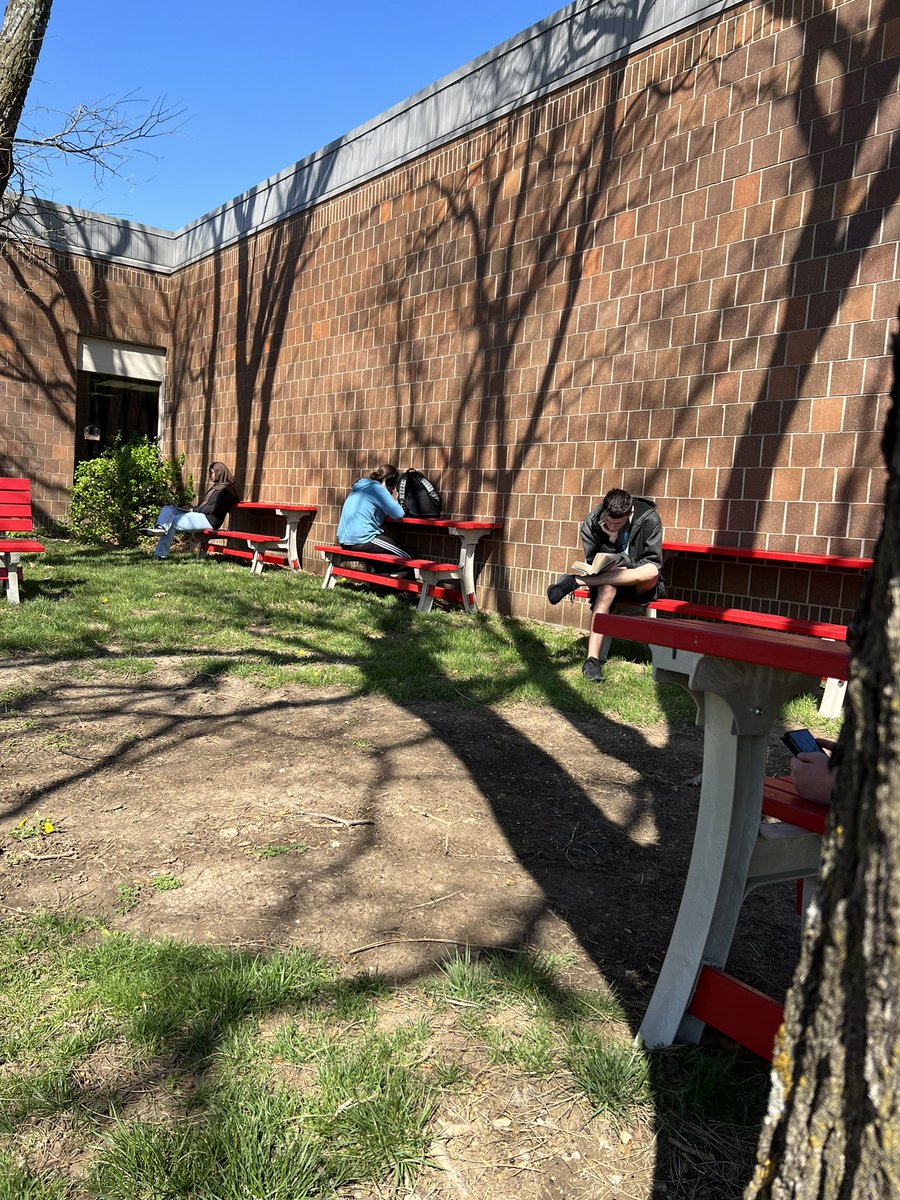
(21,38)
(832,1131)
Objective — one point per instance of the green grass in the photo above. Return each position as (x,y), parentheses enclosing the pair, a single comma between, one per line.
(236,1076)
(117,612)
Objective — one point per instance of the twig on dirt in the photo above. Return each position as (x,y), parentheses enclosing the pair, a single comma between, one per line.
(43,857)
(303,812)
(410,941)
(430,903)
(115,808)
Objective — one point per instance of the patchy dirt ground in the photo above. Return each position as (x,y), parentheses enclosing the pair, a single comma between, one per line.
(426,826)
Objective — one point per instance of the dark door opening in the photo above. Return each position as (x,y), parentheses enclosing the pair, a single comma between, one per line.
(110,404)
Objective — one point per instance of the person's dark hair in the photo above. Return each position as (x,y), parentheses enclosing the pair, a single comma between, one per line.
(387,474)
(617,503)
(219,477)
(219,473)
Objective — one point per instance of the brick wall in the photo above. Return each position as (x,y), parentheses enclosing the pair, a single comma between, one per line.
(677,276)
(48,299)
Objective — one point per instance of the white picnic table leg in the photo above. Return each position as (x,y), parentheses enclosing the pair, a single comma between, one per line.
(329,580)
(737,703)
(469,539)
(290,542)
(426,595)
(833,698)
(11,562)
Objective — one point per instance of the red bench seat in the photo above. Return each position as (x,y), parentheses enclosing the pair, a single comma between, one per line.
(15,517)
(429,586)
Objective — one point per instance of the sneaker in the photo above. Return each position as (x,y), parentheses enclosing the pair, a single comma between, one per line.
(154,530)
(592,670)
(563,587)
(158,558)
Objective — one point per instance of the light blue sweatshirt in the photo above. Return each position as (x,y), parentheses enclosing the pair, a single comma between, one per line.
(364,512)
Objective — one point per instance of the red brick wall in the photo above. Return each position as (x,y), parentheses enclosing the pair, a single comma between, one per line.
(48,299)
(677,277)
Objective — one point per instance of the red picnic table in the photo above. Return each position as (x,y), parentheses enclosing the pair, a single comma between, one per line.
(739,679)
(470,534)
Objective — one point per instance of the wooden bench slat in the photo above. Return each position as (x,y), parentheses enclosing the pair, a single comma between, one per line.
(780,800)
(419,564)
(401,585)
(754,554)
(235,534)
(20,546)
(745,616)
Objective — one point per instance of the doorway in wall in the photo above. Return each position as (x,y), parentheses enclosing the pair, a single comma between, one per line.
(118,392)
(107,405)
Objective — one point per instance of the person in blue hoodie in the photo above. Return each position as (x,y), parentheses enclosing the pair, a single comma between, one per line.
(370,502)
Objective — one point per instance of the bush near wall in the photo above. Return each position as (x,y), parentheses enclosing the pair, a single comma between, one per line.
(124,488)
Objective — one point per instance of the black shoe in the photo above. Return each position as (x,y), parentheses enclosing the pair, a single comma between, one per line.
(155,530)
(563,587)
(592,670)
(158,558)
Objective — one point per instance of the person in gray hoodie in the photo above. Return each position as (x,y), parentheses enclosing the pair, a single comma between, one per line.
(622,540)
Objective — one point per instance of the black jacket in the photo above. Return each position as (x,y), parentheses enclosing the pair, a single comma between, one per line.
(644,536)
(216,504)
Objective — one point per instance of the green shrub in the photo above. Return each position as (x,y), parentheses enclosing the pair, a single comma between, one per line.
(124,488)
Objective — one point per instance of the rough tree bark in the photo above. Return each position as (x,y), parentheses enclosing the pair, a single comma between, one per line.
(832,1131)
(21,38)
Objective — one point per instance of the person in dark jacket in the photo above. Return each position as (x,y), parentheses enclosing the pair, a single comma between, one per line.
(221,496)
(622,540)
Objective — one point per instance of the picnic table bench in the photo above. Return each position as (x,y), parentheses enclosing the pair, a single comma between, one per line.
(833,697)
(259,548)
(452,580)
(739,678)
(15,517)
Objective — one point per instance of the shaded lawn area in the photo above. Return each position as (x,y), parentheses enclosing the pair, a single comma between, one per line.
(136,1066)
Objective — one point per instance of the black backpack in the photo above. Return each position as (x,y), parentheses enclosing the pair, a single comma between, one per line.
(417,496)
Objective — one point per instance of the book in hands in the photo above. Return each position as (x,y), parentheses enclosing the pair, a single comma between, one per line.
(599,563)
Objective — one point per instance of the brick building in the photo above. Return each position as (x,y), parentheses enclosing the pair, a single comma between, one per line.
(625,248)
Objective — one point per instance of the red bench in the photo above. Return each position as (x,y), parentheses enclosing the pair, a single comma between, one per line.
(252,546)
(832,699)
(261,549)
(733,1008)
(429,586)
(15,517)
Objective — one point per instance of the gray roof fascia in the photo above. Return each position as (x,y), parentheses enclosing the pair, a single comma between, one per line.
(96,235)
(570,44)
(578,40)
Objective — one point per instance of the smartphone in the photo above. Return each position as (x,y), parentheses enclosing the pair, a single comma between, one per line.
(801,741)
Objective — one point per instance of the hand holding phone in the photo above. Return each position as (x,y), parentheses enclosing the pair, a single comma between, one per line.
(801,741)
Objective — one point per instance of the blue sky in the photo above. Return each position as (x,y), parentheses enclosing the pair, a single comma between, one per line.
(262,84)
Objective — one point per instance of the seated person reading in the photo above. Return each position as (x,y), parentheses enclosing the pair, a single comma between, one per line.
(622,540)
(368,505)
(221,495)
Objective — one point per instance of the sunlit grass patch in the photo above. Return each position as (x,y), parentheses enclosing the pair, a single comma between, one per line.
(118,613)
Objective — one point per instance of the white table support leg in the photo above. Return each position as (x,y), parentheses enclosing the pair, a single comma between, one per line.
(289,544)
(469,539)
(737,703)
(11,563)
